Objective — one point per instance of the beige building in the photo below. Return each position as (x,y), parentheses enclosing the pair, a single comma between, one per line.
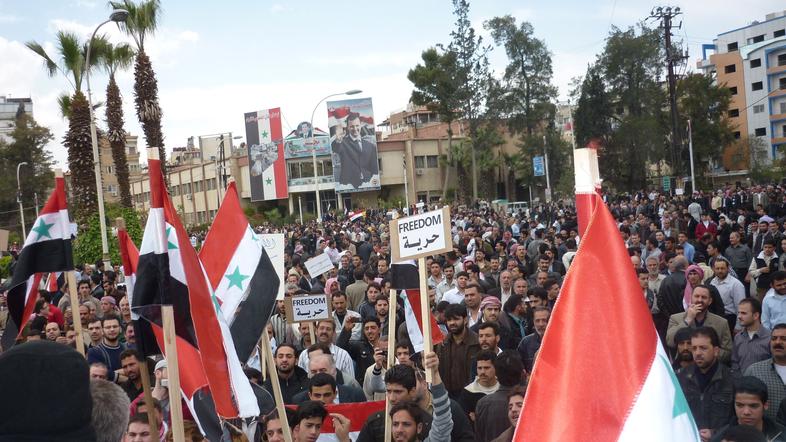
(108,170)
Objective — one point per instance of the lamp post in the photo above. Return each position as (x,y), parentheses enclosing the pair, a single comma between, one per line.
(19,200)
(314,147)
(118,15)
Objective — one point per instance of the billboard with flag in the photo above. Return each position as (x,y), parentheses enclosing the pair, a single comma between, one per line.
(353,140)
(267,167)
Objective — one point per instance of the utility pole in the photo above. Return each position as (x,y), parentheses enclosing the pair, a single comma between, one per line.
(666,16)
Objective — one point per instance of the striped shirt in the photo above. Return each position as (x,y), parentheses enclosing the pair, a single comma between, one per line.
(776,390)
(749,348)
(442,425)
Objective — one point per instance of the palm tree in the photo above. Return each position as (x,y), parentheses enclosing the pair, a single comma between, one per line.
(141,22)
(114,58)
(71,53)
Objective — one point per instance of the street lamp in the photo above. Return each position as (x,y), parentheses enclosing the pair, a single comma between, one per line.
(314,147)
(117,16)
(19,200)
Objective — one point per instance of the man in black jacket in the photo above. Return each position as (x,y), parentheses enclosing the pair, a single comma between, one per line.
(362,352)
(707,384)
(672,289)
(292,378)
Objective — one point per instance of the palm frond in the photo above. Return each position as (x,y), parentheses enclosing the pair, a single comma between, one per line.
(142,19)
(51,66)
(117,57)
(71,51)
(64,102)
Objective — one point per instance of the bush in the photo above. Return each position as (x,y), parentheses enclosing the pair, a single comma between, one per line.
(5,266)
(87,246)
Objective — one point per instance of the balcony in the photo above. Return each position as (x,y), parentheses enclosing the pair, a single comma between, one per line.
(776,70)
(777,117)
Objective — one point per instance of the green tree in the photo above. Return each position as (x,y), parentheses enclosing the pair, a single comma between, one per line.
(527,95)
(72,65)
(705,104)
(593,114)
(28,141)
(87,245)
(142,21)
(114,58)
(437,87)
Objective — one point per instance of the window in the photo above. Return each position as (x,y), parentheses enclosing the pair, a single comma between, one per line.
(782,83)
(420,162)
(757,109)
(198,186)
(756,62)
(187,188)
(432,161)
(780,33)
(783,107)
(211,184)
(294,170)
(731,46)
(760,132)
(737,135)
(757,86)
(379,163)
(730,69)
(783,130)
(782,60)
(175,190)
(757,39)
(733,113)
(733,90)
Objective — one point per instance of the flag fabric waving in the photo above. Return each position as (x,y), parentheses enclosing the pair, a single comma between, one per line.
(129,257)
(356,215)
(169,272)
(564,401)
(404,276)
(240,272)
(47,249)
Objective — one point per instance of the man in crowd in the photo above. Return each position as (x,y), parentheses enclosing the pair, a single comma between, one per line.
(326,333)
(129,361)
(341,314)
(323,388)
(460,348)
(697,316)
(490,311)
(762,268)
(529,346)
(739,255)
(752,344)
(505,289)
(485,383)
(708,384)
(731,290)
(750,404)
(769,370)
(515,405)
(307,424)
(447,284)
(773,309)
(362,351)
(292,378)
(491,410)
(109,350)
(684,356)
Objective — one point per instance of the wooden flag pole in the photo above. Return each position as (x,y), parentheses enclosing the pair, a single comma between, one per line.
(425,315)
(311,332)
(170,349)
(392,306)
(120,223)
(80,339)
(274,382)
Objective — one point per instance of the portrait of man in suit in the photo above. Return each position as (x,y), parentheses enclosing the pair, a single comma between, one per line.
(357,156)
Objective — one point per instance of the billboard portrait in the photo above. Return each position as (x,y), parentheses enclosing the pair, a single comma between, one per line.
(267,167)
(299,143)
(353,141)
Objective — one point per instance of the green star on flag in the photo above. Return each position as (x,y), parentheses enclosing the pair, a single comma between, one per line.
(170,244)
(42,229)
(264,134)
(269,181)
(236,279)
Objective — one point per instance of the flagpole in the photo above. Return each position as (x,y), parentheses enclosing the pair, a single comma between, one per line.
(392,306)
(425,315)
(80,340)
(170,349)
(274,382)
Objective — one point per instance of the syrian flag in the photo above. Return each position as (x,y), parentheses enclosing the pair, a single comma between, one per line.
(54,282)
(353,216)
(564,399)
(129,256)
(404,276)
(47,249)
(170,273)
(240,272)
(267,164)
(357,413)
(588,182)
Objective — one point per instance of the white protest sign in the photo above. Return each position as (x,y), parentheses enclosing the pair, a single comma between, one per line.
(274,246)
(318,265)
(307,308)
(421,235)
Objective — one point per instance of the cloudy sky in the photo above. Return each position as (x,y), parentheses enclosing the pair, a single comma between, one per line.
(217,60)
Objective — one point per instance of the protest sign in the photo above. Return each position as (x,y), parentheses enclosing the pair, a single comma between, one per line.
(307,308)
(318,265)
(421,235)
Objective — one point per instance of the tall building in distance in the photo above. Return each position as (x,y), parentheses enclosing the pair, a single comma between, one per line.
(751,62)
(9,108)
(108,171)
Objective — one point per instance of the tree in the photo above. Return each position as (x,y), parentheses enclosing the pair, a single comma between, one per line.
(472,74)
(705,104)
(142,22)
(437,87)
(527,93)
(114,58)
(592,117)
(72,53)
(28,141)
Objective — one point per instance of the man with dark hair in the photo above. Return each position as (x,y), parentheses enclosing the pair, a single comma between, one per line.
(491,410)
(763,267)
(485,383)
(109,350)
(458,350)
(129,361)
(750,403)
(307,424)
(341,315)
(752,344)
(326,334)
(292,378)
(516,313)
(358,156)
(322,387)
(530,344)
(698,315)
(362,351)
(490,314)
(769,370)
(684,357)
(515,404)
(139,429)
(708,384)
(356,291)
(773,308)
(273,427)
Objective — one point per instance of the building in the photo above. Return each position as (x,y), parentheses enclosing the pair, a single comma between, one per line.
(751,62)
(9,108)
(563,121)
(108,170)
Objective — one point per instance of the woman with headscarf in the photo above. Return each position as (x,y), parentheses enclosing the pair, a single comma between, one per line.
(694,276)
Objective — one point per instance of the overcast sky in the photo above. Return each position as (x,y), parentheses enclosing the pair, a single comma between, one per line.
(216,60)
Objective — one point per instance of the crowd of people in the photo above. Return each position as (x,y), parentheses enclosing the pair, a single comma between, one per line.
(711,267)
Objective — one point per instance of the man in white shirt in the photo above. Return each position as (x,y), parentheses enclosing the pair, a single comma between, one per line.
(331,251)
(435,277)
(326,334)
(456,295)
(447,284)
(731,291)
